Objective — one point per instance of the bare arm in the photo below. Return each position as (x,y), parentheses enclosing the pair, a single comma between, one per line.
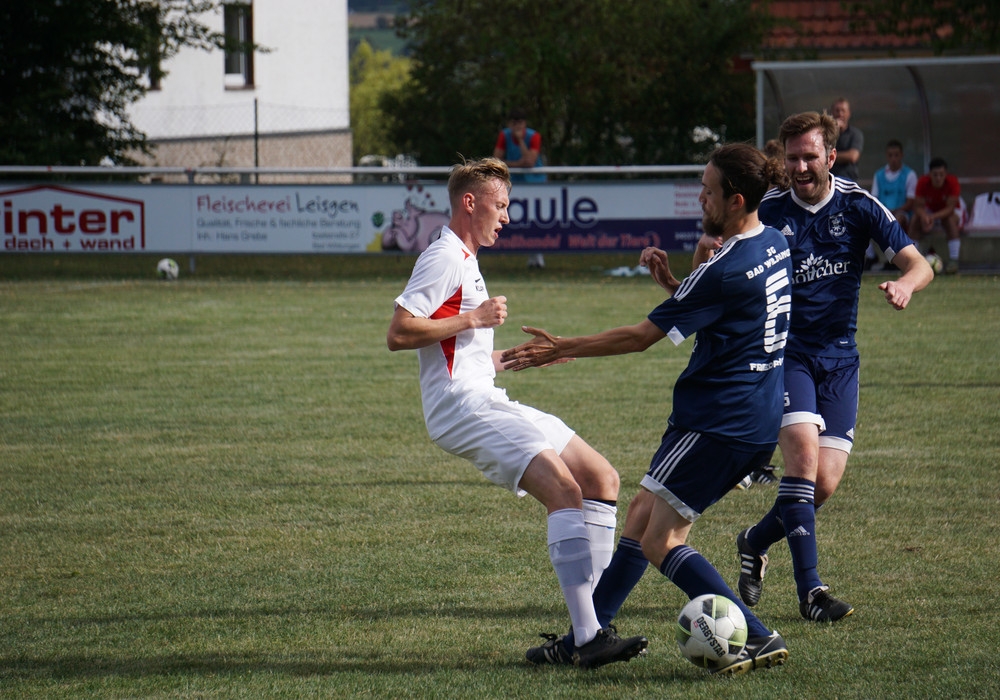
(850,155)
(546,348)
(409,332)
(529,156)
(917,274)
(950,205)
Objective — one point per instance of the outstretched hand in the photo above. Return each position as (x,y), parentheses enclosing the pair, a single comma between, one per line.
(540,351)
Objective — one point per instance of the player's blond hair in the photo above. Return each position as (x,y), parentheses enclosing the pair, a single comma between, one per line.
(473,175)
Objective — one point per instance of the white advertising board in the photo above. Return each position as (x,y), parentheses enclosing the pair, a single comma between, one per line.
(48,218)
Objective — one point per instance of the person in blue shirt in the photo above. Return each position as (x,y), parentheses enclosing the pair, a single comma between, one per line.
(520,147)
(895,185)
(726,403)
(828,222)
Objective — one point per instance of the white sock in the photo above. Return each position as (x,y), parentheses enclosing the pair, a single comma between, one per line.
(569,551)
(953,249)
(601,522)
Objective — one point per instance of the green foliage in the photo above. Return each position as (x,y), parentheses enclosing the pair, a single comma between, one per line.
(70,70)
(224,488)
(373,74)
(950,26)
(605,81)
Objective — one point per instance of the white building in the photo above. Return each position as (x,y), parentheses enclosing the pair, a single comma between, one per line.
(285,107)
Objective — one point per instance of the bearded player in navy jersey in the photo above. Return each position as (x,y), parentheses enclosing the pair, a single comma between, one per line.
(827,222)
(726,404)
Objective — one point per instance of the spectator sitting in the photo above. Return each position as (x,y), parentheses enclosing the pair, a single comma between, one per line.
(895,185)
(938,205)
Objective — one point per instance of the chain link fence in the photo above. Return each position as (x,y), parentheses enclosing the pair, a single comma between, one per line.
(249,134)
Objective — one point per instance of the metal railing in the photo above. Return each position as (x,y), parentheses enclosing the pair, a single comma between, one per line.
(390,172)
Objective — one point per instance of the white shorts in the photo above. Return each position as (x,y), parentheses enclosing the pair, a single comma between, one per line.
(501,437)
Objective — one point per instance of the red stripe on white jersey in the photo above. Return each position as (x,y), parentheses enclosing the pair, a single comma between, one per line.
(451,307)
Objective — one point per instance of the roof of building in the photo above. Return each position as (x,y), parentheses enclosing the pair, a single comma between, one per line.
(824,27)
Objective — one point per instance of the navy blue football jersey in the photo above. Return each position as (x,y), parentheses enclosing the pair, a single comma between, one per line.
(738,304)
(828,242)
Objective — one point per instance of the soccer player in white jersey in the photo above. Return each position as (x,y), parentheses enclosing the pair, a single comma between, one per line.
(828,222)
(727,402)
(446,314)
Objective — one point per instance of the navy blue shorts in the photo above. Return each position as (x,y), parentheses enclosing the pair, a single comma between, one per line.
(824,391)
(691,471)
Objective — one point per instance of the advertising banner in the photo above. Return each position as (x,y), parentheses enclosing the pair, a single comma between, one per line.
(262,219)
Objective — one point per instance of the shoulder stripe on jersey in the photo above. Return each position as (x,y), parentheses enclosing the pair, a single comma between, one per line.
(449,308)
(774,193)
(691,280)
(849,187)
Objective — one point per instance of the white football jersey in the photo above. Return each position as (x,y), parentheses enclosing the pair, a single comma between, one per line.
(456,375)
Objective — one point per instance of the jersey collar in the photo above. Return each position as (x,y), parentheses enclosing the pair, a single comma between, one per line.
(813,208)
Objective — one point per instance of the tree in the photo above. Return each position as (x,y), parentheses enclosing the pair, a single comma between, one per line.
(958,26)
(69,71)
(373,74)
(605,81)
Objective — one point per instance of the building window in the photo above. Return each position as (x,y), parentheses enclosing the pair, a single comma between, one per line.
(237,19)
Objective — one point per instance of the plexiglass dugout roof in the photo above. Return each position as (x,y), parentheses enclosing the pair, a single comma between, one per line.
(947,107)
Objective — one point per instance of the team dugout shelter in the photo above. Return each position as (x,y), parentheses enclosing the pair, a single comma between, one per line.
(946,107)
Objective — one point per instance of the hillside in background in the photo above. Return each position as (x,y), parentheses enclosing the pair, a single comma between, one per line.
(371,20)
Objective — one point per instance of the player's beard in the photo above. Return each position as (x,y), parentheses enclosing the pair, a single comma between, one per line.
(813,191)
(711,225)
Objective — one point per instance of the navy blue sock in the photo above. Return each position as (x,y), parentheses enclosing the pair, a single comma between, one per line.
(627,566)
(768,531)
(693,574)
(798,513)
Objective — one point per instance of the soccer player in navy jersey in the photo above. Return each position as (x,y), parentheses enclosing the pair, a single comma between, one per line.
(726,404)
(828,222)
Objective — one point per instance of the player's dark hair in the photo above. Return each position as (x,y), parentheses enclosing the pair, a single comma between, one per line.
(804,122)
(517,114)
(746,171)
(894,143)
(472,175)
(937,163)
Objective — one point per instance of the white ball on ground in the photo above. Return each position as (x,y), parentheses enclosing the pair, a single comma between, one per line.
(168,269)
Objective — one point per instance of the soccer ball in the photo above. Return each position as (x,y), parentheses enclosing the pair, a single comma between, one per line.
(711,631)
(935,261)
(167,269)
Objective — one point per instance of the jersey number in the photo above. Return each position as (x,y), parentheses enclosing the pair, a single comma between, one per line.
(779,310)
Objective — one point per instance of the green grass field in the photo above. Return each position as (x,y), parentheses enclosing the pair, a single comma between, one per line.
(222,487)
